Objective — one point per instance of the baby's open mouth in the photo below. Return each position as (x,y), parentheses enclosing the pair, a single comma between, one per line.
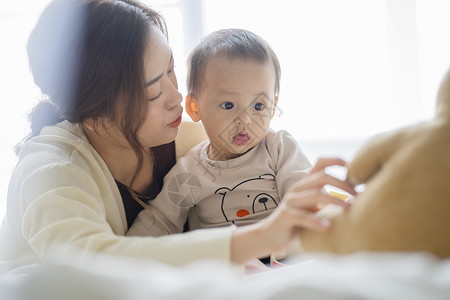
(241,138)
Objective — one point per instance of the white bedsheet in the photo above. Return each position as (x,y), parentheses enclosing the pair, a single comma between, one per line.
(357,276)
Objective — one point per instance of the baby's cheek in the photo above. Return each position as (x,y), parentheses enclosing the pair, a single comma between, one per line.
(262,118)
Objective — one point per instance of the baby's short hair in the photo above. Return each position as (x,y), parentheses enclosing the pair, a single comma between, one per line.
(235,44)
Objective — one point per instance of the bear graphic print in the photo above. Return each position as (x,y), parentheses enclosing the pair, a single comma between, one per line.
(253,196)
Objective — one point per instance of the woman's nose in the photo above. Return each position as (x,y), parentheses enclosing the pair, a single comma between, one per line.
(174,97)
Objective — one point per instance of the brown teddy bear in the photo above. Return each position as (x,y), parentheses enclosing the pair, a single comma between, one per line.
(406,202)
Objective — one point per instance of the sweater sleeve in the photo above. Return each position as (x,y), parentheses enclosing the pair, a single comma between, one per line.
(64,214)
(168,212)
(288,159)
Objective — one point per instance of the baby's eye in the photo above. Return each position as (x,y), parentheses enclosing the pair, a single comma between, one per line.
(259,106)
(227,105)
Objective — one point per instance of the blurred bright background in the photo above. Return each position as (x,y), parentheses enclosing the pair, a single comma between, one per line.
(350,68)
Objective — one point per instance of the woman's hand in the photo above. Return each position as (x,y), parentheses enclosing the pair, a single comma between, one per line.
(254,266)
(294,212)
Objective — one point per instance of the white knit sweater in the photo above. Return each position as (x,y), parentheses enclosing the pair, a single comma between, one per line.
(63,201)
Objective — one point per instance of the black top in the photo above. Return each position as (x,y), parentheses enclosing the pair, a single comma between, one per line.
(164,160)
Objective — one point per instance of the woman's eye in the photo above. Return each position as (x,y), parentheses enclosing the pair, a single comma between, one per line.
(156,97)
(259,106)
(227,105)
(171,70)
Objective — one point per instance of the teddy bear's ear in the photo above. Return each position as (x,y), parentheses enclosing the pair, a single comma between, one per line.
(443,98)
(222,191)
(374,154)
(267,176)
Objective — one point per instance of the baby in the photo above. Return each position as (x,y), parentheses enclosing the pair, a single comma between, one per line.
(242,171)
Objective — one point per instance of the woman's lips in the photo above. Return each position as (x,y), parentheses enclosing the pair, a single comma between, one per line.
(241,139)
(176,123)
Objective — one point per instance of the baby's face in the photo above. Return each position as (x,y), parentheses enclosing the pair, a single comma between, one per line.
(236,105)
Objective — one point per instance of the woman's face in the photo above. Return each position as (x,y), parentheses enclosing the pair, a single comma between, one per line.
(164,109)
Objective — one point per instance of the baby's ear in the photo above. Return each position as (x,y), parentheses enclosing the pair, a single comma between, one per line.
(192,108)
(275,102)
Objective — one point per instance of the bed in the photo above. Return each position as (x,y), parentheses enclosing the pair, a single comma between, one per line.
(355,276)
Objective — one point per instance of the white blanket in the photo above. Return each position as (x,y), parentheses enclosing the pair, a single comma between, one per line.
(360,276)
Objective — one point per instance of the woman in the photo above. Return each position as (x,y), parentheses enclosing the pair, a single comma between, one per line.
(112,115)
